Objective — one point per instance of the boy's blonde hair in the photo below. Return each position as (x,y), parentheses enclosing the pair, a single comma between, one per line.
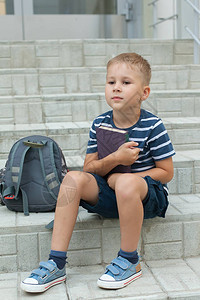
(134,60)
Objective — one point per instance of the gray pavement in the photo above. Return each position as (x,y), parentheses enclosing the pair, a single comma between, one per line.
(175,279)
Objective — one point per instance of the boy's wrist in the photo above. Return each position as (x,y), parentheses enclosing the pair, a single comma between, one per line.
(114,157)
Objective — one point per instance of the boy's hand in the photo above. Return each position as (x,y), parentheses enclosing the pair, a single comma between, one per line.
(127,153)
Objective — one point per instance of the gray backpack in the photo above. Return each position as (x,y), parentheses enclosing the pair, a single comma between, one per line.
(34,171)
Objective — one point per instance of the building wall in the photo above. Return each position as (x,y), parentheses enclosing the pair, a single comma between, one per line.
(2,7)
(67,26)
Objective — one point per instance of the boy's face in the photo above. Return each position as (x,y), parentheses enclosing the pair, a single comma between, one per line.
(125,88)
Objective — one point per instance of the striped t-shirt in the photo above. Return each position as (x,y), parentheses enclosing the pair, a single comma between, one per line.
(149,132)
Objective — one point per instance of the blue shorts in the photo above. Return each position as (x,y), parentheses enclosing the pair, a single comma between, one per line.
(155,204)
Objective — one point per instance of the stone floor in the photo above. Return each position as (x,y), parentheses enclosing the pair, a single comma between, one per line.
(175,279)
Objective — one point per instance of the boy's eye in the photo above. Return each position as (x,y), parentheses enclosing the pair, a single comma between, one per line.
(111,82)
(126,82)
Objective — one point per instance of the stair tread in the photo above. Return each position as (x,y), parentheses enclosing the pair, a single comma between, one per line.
(182,207)
(181,156)
(86,94)
(170,122)
(65,96)
(43,70)
(44,126)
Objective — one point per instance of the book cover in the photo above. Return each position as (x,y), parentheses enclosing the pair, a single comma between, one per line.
(108,141)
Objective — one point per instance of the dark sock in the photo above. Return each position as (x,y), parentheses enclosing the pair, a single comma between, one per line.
(59,257)
(130,256)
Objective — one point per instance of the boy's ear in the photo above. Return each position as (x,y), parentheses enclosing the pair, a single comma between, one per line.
(146,93)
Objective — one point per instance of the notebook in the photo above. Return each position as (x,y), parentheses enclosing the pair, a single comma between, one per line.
(108,141)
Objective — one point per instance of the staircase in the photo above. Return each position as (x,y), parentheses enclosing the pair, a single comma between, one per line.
(56,88)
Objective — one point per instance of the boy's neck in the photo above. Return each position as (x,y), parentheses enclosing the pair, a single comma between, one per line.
(122,120)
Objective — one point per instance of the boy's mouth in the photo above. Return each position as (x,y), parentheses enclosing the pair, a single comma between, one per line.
(117,98)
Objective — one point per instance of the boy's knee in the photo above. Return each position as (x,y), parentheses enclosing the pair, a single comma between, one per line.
(68,190)
(69,179)
(128,185)
(80,185)
(73,177)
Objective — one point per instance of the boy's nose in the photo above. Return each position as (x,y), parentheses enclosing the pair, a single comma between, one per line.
(117,87)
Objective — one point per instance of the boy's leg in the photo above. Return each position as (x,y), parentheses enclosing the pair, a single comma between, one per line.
(130,191)
(76,185)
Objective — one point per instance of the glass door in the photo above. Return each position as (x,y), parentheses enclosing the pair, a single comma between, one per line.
(75,7)
(67,19)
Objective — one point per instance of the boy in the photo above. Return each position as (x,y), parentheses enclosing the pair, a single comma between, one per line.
(129,196)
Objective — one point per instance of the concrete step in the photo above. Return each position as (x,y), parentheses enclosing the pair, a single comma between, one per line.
(73,136)
(186,170)
(74,107)
(184,132)
(25,241)
(174,103)
(170,279)
(51,108)
(92,52)
(36,81)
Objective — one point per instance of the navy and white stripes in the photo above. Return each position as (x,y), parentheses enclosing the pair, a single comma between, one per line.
(149,132)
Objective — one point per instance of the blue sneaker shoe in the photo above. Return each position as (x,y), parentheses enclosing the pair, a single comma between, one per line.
(43,278)
(119,274)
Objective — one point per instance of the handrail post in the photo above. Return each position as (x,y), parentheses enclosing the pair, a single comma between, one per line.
(154,17)
(154,20)
(196,32)
(157,21)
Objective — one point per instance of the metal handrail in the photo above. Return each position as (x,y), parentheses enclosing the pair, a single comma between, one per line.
(153,2)
(163,20)
(196,29)
(192,34)
(158,21)
(193,6)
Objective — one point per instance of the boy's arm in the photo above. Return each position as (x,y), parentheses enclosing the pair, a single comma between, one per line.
(101,167)
(164,172)
(126,155)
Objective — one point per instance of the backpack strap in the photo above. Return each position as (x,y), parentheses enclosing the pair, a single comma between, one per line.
(10,190)
(50,225)
(16,168)
(1,187)
(25,202)
(1,193)
(48,163)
